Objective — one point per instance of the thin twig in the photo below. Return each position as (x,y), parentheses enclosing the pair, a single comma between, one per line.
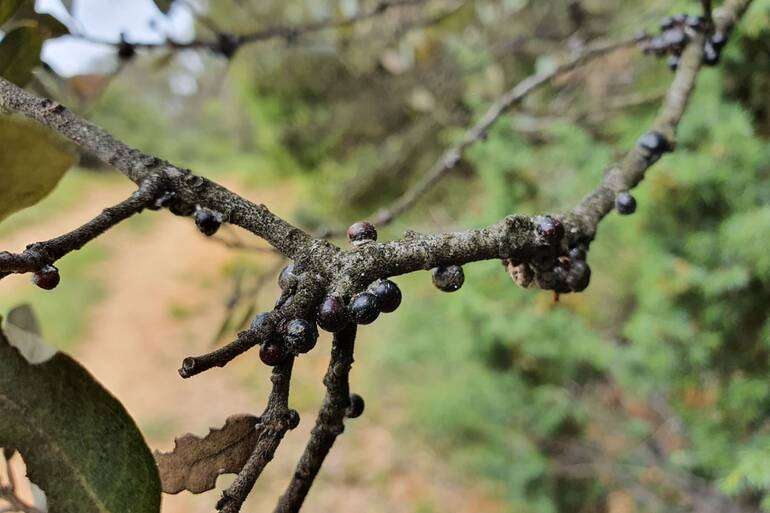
(43,253)
(286,32)
(329,424)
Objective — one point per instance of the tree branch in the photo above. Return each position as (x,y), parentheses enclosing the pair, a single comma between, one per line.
(276,421)
(228,43)
(329,424)
(39,254)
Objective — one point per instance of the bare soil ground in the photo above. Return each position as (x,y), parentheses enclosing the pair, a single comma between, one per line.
(136,339)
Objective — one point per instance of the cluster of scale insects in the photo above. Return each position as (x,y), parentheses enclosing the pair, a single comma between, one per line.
(550,266)
(675,33)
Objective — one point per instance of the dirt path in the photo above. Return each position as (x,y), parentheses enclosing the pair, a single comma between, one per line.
(136,341)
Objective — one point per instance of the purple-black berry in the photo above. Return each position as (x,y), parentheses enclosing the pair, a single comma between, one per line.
(625,203)
(388,295)
(364,308)
(449,278)
(301,335)
(362,232)
(47,277)
(356,406)
(332,315)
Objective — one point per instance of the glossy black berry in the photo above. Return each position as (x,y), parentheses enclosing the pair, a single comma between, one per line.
(293,419)
(577,253)
(271,353)
(364,308)
(625,203)
(449,278)
(288,279)
(655,143)
(207,221)
(262,323)
(710,54)
(47,277)
(388,295)
(332,315)
(362,232)
(550,228)
(356,406)
(301,335)
(578,276)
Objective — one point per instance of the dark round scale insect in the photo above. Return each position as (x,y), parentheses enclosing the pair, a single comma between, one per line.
(625,203)
(207,221)
(654,144)
(362,232)
(271,353)
(710,54)
(388,295)
(356,406)
(301,335)
(364,308)
(262,323)
(578,276)
(577,253)
(332,315)
(448,278)
(718,40)
(550,228)
(227,45)
(47,277)
(293,419)
(288,279)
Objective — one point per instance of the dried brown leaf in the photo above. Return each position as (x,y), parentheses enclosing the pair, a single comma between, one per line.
(195,463)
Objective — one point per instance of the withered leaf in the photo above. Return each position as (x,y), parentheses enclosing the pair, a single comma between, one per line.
(195,463)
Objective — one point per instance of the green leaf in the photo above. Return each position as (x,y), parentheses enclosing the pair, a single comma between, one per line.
(20,53)
(8,8)
(79,443)
(164,5)
(39,160)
